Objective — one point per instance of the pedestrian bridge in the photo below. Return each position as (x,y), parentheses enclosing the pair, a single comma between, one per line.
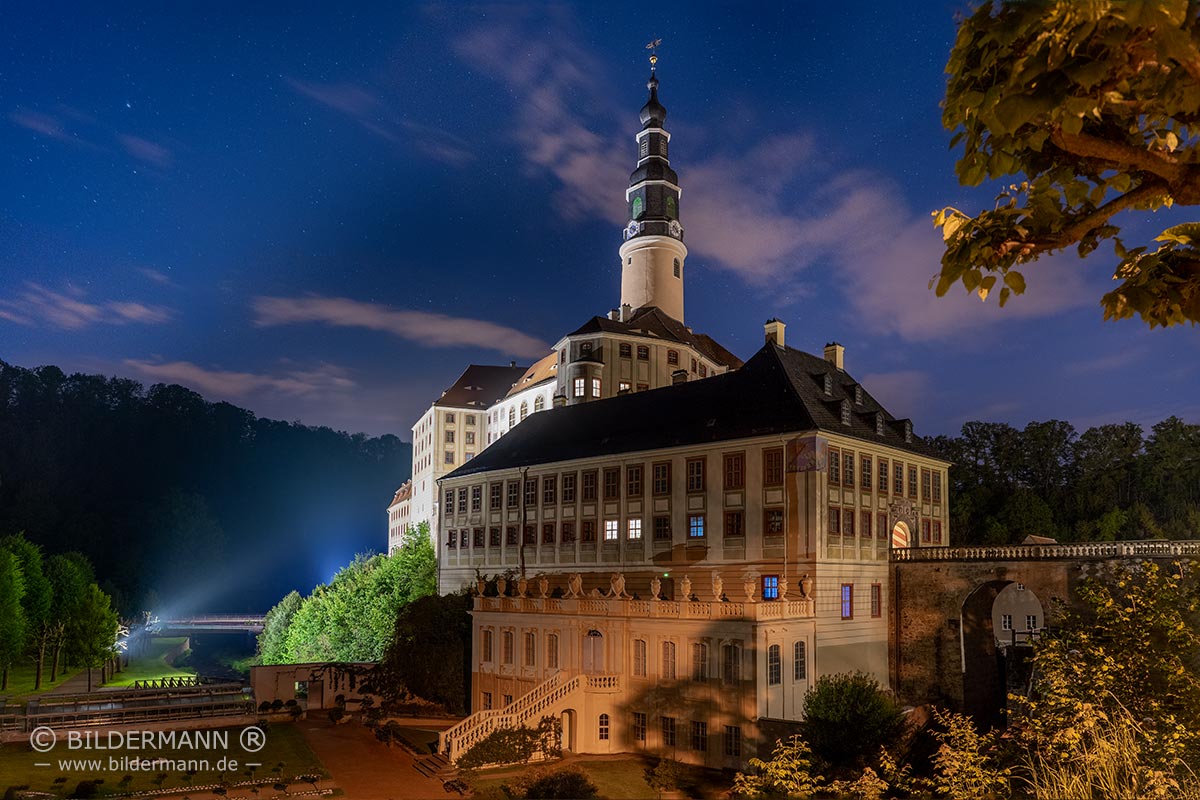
(207,623)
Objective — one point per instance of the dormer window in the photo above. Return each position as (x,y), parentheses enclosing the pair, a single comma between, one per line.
(879,423)
(828,384)
(845,412)
(908,431)
(585,350)
(858,395)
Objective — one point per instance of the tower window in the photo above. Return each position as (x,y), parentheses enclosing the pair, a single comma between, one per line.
(677,267)
(672,207)
(638,207)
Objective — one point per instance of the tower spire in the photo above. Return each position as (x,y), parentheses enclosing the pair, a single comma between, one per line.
(653,253)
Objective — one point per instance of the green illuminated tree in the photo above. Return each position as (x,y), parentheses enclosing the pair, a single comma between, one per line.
(12,615)
(97,629)
(37,600)
(1094,107)
(272,642)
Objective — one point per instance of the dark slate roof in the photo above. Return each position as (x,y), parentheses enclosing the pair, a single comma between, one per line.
(653,323)
(778,391)
(479,386)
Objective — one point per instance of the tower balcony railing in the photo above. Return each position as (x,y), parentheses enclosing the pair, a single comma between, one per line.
(751,611)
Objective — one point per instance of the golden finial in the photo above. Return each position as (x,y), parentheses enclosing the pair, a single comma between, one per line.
(653,48)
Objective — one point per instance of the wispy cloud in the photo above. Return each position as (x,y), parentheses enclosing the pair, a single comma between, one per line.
(146,150)
(71,310)
(767,213)
(432,330)
(1109,362)
(379,119)
(157,276)
(77,128)
(226,384)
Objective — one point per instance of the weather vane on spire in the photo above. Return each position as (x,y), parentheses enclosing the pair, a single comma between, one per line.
(653,48)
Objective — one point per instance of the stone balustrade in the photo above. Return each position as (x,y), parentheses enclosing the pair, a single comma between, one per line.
(1156,548)
(652,609)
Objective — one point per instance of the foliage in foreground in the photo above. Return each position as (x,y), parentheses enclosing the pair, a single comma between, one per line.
(1095,106)
(428,654)
(1117,700)
(847,717)
(564,783)
(515,745)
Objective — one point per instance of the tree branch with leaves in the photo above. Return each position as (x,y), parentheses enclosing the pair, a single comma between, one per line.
(1096,107)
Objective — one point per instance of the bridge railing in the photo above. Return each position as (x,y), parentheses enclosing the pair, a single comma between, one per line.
(1161,548)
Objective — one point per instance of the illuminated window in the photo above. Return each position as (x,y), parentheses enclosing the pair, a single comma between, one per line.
(635,529)
(770,587)
(524,409)
(611,530)
(580,386)
(595,387)
(696,526)
(539,403)
(847,601)
(512,416)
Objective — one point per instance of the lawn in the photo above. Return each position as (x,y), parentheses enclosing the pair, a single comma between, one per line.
(617,777)
(285,755)
(151,665)
(21,677)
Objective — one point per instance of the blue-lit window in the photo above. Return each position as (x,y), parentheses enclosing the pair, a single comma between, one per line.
(696,526)
(770,587)
(847,601)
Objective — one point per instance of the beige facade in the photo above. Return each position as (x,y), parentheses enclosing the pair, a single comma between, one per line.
(399,513)
(758,593)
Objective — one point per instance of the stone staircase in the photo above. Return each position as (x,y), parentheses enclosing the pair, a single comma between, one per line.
(551,696)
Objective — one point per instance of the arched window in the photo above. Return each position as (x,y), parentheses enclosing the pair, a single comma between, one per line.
(639,658)
(604,727)
(774,666)
(524,410)
(800,662)
(699,661)
(552,651)
(638,207)
(512,416)
(539,403)
(672,356)
(731,663)
(668,661)
(672,209)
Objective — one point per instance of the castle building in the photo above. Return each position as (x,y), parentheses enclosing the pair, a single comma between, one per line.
(670,568)
(399,513)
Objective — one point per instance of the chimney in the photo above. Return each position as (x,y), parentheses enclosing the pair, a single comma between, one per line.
(773,329)
(678,376)
(835,354)
(614,315)
(626,312)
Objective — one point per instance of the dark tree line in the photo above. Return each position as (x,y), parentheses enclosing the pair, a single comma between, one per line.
(202,504)
(1110,482)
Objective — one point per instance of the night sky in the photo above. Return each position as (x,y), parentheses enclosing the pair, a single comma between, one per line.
(323,215)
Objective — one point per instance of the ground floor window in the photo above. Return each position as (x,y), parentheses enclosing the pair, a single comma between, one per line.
(487,700)
(876,600)
(507,700)
(774,666)
(733,741)
(799,661)
(639,726)
(604,727)
(700,737)
(847,601)
(668,731)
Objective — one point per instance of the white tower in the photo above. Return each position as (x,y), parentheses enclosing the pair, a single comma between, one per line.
(653,255)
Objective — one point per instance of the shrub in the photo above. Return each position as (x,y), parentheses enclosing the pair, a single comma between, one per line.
(787,774)
(515,745)
(847,716)
(565,783)
(87,789)
(264,706)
